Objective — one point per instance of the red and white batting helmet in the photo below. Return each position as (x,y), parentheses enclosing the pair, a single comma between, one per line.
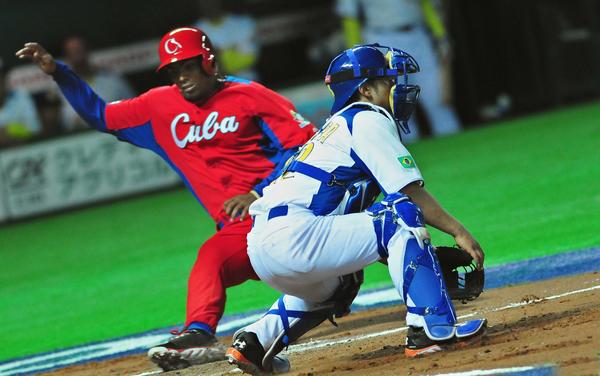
(185,43)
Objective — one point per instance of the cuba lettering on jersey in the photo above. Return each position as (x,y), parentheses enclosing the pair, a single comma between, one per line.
(206,131)
(229,145)
(360,147)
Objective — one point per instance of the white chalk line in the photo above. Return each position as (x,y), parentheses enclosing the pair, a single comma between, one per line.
(149,373)
(497,371)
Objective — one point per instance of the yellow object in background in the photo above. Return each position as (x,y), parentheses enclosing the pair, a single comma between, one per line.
(351,28)
(18,131)
(433,20)
(233,61)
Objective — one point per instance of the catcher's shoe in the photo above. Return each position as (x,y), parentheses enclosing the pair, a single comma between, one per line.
(247,354)
(189,347)
(468,333)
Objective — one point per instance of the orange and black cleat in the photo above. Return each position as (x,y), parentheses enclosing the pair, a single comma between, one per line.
(418,344)
(247,354)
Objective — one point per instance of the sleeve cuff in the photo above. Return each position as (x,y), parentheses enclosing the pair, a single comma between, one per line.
(258,188)
(418,180)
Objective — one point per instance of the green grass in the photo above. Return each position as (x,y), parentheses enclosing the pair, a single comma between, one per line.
(525,188)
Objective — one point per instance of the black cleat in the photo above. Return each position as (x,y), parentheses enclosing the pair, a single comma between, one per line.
(418,344)
(247,354)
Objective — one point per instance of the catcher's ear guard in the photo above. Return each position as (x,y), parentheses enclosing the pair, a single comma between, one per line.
(463,280)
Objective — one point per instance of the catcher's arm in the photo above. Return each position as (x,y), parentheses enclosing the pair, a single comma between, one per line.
(436,216)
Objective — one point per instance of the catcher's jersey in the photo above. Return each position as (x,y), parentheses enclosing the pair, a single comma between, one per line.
(227,146)
(361,147)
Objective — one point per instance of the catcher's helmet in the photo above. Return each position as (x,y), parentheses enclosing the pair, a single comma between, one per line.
(353,67)
(185,43)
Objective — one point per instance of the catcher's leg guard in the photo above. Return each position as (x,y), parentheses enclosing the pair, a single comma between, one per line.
(470,328)
(424,292)
(421,283)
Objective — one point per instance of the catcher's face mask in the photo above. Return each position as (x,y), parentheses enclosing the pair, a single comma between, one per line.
(403,97)
(352,68)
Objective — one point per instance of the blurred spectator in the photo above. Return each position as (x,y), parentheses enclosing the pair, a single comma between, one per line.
(109,85)
(49,110)
(234,37)
(415,27)
(18,116)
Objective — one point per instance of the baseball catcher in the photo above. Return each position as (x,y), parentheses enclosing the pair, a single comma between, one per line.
(311,236)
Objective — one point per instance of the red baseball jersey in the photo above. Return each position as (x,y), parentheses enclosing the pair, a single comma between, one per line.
(231,144)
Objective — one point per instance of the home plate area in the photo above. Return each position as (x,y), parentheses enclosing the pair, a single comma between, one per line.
(540,328)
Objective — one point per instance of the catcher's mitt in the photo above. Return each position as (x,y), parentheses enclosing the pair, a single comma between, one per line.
(463,280)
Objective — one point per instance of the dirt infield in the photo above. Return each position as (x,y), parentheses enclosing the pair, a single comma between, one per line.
(549,322)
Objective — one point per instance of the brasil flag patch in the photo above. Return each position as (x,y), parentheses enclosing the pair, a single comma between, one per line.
(407,161)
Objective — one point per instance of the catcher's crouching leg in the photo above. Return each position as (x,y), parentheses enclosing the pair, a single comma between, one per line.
(417,276)
(430,313)
(285,324)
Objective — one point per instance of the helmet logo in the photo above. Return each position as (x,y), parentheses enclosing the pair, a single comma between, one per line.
(206,47)
(175,46)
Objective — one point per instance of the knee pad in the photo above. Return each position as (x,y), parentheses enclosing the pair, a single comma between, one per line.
(424,286)
(393,212)
(407,215)
(405,211)
(384,226)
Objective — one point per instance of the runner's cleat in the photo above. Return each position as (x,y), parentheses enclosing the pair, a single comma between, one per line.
(190,347)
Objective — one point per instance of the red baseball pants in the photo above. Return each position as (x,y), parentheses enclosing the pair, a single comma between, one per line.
(222,262)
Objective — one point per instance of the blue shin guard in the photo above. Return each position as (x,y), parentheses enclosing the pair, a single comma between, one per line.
(425,288)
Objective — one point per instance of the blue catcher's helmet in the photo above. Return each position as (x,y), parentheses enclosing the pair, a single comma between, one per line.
(353,67)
